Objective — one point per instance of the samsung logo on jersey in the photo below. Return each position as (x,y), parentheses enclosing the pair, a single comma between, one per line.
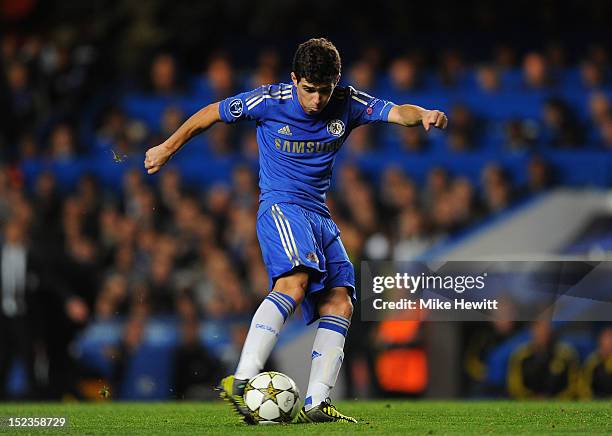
(307,146)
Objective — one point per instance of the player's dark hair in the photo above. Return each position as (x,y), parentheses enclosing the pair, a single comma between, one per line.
(317,60)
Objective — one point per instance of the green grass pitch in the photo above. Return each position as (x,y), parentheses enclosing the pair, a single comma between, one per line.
(375,417)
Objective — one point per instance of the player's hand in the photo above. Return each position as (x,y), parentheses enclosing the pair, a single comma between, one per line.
(434,118)
(156,157)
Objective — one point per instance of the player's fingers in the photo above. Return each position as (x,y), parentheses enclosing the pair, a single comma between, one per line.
(153,170)
(427,122)
(445,122)
(440,120)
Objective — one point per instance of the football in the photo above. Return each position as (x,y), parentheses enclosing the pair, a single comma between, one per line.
(272,397)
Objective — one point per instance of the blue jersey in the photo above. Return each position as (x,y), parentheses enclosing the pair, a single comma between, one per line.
(297,150)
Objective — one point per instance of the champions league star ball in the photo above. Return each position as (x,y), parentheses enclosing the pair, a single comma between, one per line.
(272,397)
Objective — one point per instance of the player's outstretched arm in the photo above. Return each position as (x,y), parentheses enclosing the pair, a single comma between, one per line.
(157,156)
(410,115)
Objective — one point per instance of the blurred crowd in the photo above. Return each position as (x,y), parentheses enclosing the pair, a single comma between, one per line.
(59,106)
(165,249)
(538,360)
(73,254)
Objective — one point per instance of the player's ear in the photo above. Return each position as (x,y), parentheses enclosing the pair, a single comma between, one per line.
(294,78)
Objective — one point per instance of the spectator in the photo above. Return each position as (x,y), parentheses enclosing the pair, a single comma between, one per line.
(437,186)
(172,118)
(196,371)
(144,206)
(360,141)
(599,108)
(483,338)
(466,210)
(606,132)
(397,191)
(544,367)
(123,265)
(536,73)
(20,278)
(362,208)
(413,238)
(64,80)
(266,72)
(249,149)
(462,131)
(161,295)
(245,189)
(413,140)
(598,53)
(170,191)
(241,232)
(443,215)
(452,69)
(24,102)
(489,79)
(560,126)
(219,140)
(132,338)
(47,210)
(404,74)
(220,77)
(497,192)
(349,175)
(519,135)
(596,381)
(505,57)
(593,75)
(362,76)
(61,143)
(112,298)
(539,177)
(28,149)
(163,75)
(112,128)
(556,56)
(88,198)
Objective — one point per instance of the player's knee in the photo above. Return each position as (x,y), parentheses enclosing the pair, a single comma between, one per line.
(294,285)
(336,302)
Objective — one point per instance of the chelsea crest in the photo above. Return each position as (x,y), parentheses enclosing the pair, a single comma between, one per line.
(335,127)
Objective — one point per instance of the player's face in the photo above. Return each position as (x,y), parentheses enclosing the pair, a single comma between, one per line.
(313,96)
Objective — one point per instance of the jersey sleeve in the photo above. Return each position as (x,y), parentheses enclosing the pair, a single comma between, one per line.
(248,105)
(366,109)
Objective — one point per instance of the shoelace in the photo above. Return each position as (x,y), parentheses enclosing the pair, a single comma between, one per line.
(331,409)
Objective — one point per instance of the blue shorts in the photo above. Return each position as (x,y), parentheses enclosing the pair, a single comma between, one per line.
(292,237)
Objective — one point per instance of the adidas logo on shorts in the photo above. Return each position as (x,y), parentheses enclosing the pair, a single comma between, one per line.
(285,131)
